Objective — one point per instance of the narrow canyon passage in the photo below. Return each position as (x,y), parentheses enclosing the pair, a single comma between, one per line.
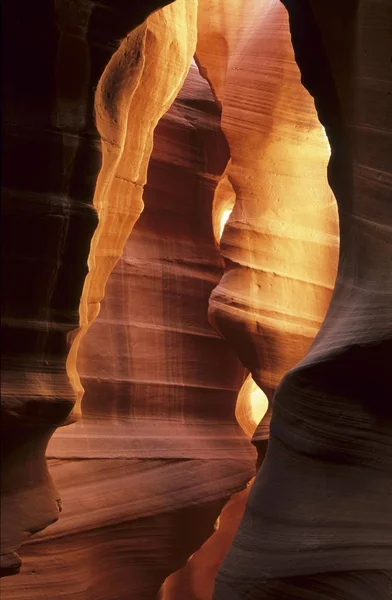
(318,522)
(157,449)
(198,218)
(54,126)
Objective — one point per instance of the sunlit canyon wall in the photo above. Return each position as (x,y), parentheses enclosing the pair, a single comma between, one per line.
(213,263)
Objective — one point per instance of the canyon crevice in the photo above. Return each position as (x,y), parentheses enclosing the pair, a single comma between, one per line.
(197,285)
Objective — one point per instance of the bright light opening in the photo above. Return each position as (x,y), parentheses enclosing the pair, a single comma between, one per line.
(252,404)
(258,403)
(327,139)
(224,218)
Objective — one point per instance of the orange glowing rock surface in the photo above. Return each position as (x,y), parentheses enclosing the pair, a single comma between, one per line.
(281,241)
(224,218)
(127,139)
(172,284)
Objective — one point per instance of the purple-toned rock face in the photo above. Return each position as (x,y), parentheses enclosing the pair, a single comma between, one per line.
(318,522)
(54,56)
(189,245)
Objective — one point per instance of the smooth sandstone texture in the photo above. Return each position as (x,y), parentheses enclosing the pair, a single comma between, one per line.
(249,121)
(318,523)
(159,381)
(280,243)
(126,116)
(51,137)
(50,158)
(196,579)
(163,458)
(160,387)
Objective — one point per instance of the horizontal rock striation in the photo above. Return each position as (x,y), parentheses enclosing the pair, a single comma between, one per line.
(280,242)
(318,521)
(158,380)
(242,269)
(51,158)
(146,470)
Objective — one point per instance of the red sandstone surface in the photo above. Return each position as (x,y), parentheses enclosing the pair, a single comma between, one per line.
(196,282)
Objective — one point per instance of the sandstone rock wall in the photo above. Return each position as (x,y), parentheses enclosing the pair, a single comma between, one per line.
(319,514)
(280,242)
(54,57)
(156,451)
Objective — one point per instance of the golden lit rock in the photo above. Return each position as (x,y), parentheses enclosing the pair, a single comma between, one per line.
(224,218)
(252,405)
(197,258)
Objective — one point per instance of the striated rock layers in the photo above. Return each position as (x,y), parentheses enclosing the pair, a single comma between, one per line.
(158,380)
(157,425)
(280,242)
(229,159)
(51,161)
(318,523)
(160,384)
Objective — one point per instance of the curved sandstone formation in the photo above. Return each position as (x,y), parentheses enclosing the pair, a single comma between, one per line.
(126,116)
(158,380)
(50,84)
(235,162)
(280,242)
(158,416)
(319,514)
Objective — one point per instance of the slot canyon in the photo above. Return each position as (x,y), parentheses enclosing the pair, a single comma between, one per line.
(196,300)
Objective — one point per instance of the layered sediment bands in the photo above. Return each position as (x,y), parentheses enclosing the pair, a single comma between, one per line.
(118,514)
(159,381)
(157,453)
(158,415)
(50,155)
(51,158)
(195,581)
(280,243)
(318,523)
(137,87)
